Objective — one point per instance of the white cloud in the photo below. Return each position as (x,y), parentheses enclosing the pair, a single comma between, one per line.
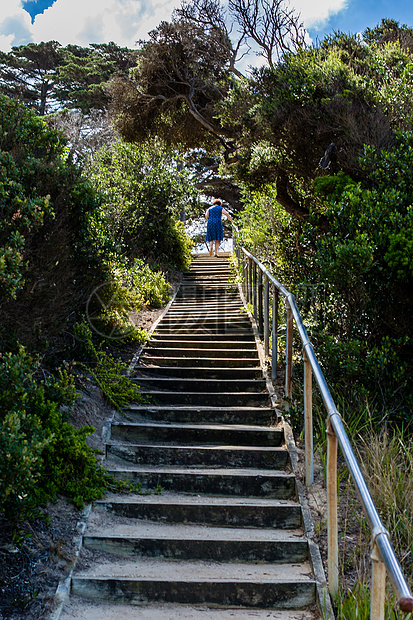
(98,21)
(81,22)
(317,12)
(15,27)
(10,9)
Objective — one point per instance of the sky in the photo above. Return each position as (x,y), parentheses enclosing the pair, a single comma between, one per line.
(81,22)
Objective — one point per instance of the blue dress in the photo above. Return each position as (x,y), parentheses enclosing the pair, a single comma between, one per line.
(214,224)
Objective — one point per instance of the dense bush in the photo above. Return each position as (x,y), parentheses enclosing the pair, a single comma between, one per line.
(27,153)
(367,335)
(45,271)
(143,194)
(129,285)
(41,454)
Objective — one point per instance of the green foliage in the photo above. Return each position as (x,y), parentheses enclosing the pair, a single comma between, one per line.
(146,286)
(129,286)
(268,231)
(354,604)
(29,73)
(28,151)
(364,263)
(41,455)
(84,72)
(43,75)
(109,373)
(143,193)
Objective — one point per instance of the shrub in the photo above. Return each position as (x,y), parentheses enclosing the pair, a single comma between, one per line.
(41,455)
(143,194)
(108,373)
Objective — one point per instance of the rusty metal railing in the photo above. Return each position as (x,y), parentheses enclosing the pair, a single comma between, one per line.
(257,281)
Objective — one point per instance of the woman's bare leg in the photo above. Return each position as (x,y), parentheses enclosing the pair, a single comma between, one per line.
(216,247)
(210,247)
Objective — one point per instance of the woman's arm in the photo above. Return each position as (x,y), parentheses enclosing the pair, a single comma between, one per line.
(227,215)
(207,214)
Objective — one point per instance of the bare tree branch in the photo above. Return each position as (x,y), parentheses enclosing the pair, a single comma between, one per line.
(271,24)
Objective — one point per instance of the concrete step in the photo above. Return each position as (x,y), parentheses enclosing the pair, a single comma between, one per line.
(200,385)
(200,361)
(193,434)
(198,456)
(210,332)
(211,310)
(221,324)
(210,316)
(200,339)
(191,304)
(201,352)
(146,580)
(219,399)
(224,512)
(82,609)
(199,294)
(201,373)
(227,481)
(206,343)
(203,415)
(191,542)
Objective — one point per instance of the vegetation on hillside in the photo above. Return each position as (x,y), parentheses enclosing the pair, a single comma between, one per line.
(314,149)
(64,235)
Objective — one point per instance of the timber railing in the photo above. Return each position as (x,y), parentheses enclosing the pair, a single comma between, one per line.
(256,283)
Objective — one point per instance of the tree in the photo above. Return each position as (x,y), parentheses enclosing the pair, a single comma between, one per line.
(335,98)
(85,133)
(143,194)
(180,77)
(44,270)
(84,73)
(270,25)
(187,69)
(47,76)
(29,73)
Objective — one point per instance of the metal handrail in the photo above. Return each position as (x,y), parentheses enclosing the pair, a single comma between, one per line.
(383,555)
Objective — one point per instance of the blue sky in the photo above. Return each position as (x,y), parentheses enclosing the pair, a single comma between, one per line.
(125,21)
(361,14)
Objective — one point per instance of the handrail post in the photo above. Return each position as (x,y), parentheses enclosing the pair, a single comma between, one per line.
(308,421)
(249,297)
(274,343)
(266,316)
(378,583)
(260,306)
(289,356)
(255,291)
(332,521)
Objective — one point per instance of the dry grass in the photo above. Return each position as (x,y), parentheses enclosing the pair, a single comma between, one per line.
(387,465)
(386,460)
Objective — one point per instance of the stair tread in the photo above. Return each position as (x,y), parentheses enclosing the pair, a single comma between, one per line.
(200,408)
(121,527)
(149,569)
(197,427)
(81,609)
(199,471)
(198,446)
(169,497)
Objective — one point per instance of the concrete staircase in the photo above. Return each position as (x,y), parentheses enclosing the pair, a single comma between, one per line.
(224,539)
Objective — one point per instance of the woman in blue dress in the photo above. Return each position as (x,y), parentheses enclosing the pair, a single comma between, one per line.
(215,233)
